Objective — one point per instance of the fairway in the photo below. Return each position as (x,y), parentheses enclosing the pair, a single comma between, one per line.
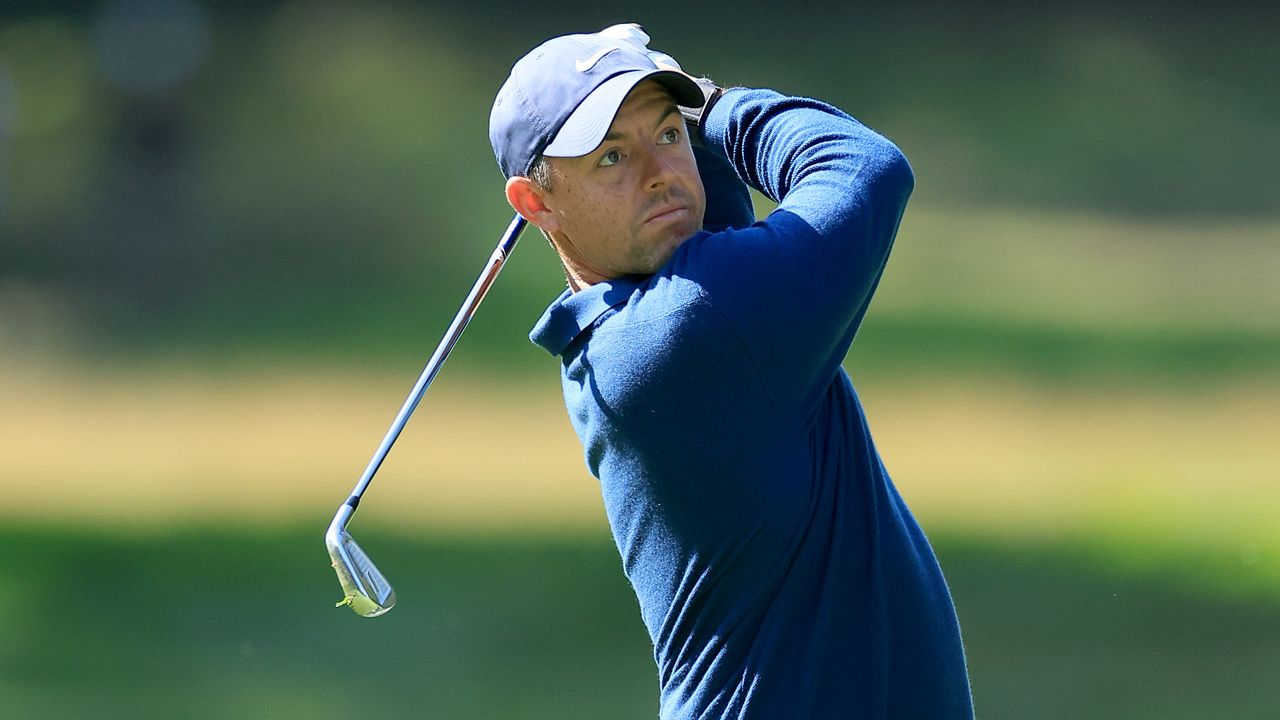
(164,448)
(1155,475)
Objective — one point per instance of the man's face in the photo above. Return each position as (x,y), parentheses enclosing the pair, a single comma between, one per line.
(625,207)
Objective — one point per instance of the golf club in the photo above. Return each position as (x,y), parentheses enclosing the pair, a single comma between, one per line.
(365,589)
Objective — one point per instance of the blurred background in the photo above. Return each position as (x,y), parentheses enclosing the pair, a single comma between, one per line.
(231,233)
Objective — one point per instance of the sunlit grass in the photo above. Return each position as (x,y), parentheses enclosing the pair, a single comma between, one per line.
(148,449)
(1133,470)
(1188,482)
(1081,271)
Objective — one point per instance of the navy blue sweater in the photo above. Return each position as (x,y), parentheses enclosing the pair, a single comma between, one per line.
(778,571)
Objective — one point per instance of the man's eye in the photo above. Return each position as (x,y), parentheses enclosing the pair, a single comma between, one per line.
(610,158)
(670,136)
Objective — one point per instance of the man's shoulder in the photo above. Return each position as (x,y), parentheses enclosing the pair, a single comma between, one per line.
(659,317)
(666,338)
(661,374)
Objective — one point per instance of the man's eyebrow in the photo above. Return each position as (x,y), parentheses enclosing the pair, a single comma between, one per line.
(671,108)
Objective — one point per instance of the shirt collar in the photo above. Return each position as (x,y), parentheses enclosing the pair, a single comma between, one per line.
(573,312)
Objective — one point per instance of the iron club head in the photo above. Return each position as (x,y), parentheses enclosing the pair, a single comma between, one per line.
(365,589)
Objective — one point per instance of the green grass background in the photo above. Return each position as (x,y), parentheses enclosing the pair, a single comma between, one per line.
(217,623)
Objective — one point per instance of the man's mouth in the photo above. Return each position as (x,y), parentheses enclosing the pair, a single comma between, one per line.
(667,213)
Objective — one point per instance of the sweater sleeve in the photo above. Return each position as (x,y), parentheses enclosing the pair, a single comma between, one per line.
(796,285)
(728,198)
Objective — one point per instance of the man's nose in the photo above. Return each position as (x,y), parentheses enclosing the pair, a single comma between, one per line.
(658,170)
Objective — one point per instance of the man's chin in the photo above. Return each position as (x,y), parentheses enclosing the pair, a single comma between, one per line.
(664,242)
(668,249)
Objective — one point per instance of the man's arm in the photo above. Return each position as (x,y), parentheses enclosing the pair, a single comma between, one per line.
(797,285)
(728,198)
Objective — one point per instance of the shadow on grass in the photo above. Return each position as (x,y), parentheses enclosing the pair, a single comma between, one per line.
(237,623)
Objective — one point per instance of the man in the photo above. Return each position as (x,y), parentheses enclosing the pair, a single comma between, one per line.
(778,572)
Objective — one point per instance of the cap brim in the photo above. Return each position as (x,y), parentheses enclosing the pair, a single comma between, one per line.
(586,127)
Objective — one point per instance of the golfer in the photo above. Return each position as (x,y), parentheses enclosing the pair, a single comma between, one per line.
(779,573)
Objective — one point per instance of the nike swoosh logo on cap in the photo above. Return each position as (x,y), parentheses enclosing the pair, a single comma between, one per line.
(591,60)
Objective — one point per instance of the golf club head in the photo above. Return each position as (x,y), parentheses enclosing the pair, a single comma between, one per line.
(364,588)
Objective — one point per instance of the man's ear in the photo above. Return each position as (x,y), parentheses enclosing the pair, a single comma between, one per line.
(527,199)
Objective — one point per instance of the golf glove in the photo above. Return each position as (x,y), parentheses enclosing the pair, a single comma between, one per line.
(633,35)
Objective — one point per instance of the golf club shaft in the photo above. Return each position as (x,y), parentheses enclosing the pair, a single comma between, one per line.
(478,291)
